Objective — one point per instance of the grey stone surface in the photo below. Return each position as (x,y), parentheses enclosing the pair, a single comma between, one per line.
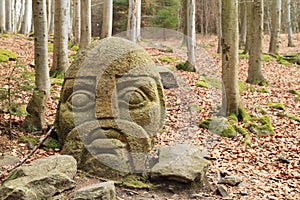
(8,160)
(41,179)
(182,163)
(222,190)
(103,191)
(230,180)
(168,78)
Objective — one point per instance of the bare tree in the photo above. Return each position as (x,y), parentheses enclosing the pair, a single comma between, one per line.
(289,22)
(191,35)
(35,120)
(276,27)
(8,16)
(76,23)
(107,19)
(255,75)
(61,29)
(2,16)
(27,18)
(86,30)
(231,96)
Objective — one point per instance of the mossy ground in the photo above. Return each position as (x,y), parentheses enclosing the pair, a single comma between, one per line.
(6,55)
(278,106)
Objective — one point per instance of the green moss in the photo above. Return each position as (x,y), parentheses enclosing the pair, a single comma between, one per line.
(267,58)
(261,110)
(51,143)
(229,131)
(136,182)
(261,126)
(284,62)
(232,118)
(205,123)
(50,47)
(278,106)
(201,83)
(28,139)
(243,56)
(243,115)
(241,86)
(167,59)
(263,90)
(263,83)
(75,48)
(183,66)
(244,132)
(214,82)
(296,93)
(293,117)
(56,81)
(6,55)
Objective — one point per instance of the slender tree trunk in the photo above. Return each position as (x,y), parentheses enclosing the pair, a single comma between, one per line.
(133,20)
(51,15)
(255,75)
(8,17)
(248,26)
(219,26)
(231,96)
(138,19)
(27,19)
(86,29)
(191,33)
(243,32)
(184,20)
(61,29)
(290,31)
(36,108)
(107,19)
(2,16)
(49,8)
(276,26)
(76,21)
(22,12)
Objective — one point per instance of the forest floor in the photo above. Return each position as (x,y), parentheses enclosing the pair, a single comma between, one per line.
(269,166)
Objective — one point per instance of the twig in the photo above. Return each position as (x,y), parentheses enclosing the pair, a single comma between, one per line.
(23,160)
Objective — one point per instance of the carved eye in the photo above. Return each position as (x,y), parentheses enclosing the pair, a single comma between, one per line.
(133,97)
(81,101)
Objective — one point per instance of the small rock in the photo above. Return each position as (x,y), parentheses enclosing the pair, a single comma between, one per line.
(222,190)
(104,191)
(230,180)
(168,78)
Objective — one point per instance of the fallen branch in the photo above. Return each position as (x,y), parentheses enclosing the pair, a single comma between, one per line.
(23,160)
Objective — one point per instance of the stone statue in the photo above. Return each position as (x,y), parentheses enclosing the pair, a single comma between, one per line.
(111,106)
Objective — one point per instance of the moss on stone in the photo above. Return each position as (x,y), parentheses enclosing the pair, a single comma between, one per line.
(183,66)
(267,58)
(229,131)
(205,123)
(167,59)
(6,55)
(261,126)
(283,61)
(28,139)
(201,83)
(243,115)
(232,118)
(296,93)
(278,106)
(136,182)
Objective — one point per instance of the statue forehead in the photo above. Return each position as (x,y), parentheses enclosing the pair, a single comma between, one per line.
(112,57)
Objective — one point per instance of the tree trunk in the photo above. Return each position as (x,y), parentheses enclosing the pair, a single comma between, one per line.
(255,75)
(51,23)
(61,29)
(76,21)
(8,17)
(276,26)
(86,29)
(219,26)
(231,96)
(243,28)
(22,12)
(2,16)
(138,19)
(133,20)
(290,32)
(191,35)
(184,20)
(35,120)
(107,19)
(27,19)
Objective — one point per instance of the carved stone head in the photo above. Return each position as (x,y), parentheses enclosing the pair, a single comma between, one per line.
(111,106)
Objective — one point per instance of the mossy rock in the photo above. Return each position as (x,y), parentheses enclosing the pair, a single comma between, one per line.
(183,66)
(56,81)
(296,93)
(267,58)
(278,106)
(201,83)
(29,140)
(221,126)
(205,123)
(232,118)
(167,59)
(293,117)
(136,182)
(243,56)
(261,126)
(6,55)
(209,81)
(51,143)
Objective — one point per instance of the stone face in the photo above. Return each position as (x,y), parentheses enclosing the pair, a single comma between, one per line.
(104,191)
(41,179)
(112,105)
(183,163)
(167,77)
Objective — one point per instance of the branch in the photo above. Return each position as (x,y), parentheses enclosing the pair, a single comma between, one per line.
(23,160)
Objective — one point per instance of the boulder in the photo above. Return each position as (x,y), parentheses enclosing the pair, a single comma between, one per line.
(168,78)
(111,107)
(41,179)
(8,160)
(104,191)
(182,163)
